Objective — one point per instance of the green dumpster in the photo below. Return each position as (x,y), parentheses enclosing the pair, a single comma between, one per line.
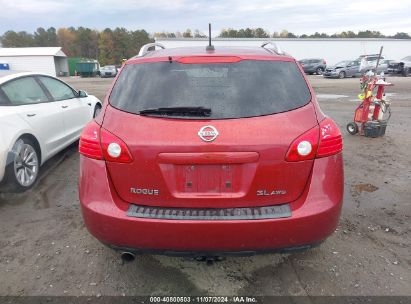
(87,68)
(72,61)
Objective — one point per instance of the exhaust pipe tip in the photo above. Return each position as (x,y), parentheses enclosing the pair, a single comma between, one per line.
(127,257)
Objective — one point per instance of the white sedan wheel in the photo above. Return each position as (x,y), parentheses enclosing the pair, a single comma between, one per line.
(26,164)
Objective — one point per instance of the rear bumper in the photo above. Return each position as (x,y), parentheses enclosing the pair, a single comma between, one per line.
(330,74)
(309,70)
(314,217)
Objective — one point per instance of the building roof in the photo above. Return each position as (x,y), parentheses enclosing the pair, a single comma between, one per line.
(32,51)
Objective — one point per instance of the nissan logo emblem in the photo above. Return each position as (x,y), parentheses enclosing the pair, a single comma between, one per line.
(208,133)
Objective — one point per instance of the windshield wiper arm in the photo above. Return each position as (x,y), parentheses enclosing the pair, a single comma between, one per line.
(178,111)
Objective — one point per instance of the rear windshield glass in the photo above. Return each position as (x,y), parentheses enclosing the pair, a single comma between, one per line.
(231,90)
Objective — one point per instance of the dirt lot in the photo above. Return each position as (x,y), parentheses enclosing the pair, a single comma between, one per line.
(46,250)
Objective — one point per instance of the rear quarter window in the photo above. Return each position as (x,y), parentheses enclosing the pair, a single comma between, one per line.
(231,90)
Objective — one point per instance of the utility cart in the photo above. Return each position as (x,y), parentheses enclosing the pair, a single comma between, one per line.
(373,113)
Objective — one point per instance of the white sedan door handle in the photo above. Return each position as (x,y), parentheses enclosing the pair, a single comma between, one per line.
(64,107)
(31,115)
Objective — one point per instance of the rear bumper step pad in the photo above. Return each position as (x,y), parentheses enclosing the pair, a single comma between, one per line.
(256,213)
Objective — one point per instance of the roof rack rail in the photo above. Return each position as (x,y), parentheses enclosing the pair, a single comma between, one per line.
(276,49)
(145,48)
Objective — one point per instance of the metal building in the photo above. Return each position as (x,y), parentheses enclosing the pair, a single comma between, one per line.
(331,49)
(47,60)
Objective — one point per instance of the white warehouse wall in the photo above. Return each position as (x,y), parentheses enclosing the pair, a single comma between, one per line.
(332,50)
(40,64)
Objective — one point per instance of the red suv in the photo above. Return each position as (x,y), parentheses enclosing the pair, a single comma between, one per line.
(221,151)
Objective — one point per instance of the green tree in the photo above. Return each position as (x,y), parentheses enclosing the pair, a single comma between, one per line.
(106,47)
(66,39)
(248,33)
(14,39)
(198,34)
(187,34)
(86,42)
(44,38)
(260,33)
(401,35)
(138,39)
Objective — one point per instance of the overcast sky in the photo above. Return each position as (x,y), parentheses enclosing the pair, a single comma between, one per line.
(297,16)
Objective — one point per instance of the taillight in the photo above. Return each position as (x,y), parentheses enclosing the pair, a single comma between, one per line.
(304,147)
(114,149)
(325,62)
(330,138)
(320,141)
(90,141)
(98,143)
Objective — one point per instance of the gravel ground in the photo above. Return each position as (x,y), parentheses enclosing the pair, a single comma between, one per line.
(46,250)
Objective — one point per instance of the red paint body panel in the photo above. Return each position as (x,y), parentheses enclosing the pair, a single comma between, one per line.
(268,136)
(315,216)
(208,158)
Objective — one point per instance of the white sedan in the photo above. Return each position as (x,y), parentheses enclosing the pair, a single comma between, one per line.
(39,116)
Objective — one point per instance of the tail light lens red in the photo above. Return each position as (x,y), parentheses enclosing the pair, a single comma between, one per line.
(114,149)
(330,139)
(294,153)
(320,141)
(98,143)
(90,141)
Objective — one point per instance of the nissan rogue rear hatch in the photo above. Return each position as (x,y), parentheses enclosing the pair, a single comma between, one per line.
(210,134)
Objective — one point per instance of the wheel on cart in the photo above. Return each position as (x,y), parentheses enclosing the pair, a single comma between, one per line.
(352,128)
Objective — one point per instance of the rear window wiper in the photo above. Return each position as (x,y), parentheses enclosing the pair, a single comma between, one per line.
(178,111)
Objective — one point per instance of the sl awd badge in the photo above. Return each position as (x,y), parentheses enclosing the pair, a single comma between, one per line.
(208,133)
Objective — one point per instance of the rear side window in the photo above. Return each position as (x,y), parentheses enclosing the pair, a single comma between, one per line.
(24,91)
(231,90)
(57,89)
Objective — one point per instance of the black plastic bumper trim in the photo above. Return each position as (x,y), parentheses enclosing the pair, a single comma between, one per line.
(203,253)
(217,214)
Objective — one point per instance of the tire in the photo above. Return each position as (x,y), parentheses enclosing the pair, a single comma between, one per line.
(341,75)
(22,170)
(352,128)
(97,110)
(319,71)
(405,72)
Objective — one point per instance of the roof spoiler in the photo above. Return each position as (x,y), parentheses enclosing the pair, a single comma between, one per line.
(274,49)
(149,47)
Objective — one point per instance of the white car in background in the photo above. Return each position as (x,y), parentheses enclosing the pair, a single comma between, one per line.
(39,116)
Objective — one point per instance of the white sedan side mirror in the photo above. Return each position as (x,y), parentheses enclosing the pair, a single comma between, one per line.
(82,94)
